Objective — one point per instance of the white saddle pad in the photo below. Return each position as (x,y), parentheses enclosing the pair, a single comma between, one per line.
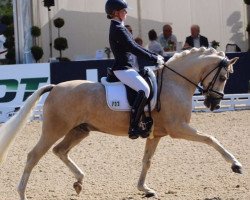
(116,94)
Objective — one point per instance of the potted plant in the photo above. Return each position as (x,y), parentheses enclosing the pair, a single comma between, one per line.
(7,19)
(107,51)
(59,23)
(247,2)
(60,43)
(36,51)
(6,7)
(215,44)
(11,55)
(35,32)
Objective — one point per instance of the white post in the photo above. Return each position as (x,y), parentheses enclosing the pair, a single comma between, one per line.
(139,17)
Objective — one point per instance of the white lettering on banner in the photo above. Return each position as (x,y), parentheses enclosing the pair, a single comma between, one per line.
(2,90)
(17,82)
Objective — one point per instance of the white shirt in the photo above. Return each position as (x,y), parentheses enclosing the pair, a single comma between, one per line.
(164,42)
(2,41)
(197,42)
(155,47)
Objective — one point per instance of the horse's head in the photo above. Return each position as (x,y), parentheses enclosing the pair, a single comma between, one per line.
(214,81)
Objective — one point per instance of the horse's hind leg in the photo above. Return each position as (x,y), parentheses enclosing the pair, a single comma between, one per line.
(149,151)
(74,137)
(33,157)
(188,133)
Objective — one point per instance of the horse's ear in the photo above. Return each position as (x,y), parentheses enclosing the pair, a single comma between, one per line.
(233,61)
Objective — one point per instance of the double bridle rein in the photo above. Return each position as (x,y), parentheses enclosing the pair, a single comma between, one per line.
(208,91)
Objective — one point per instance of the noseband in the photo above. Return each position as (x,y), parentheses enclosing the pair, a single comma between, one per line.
(209,91)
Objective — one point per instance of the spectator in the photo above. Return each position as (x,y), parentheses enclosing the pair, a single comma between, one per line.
(139,41)
(154,45)
(129,28)
(195,39)
(2,49)
(167,40)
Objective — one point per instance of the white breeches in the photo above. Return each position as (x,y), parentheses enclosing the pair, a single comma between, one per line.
(131,78)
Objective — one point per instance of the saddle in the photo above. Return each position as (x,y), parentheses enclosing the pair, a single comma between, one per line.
(121,97)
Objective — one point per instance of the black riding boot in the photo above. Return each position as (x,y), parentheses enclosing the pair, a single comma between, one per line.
(137,109)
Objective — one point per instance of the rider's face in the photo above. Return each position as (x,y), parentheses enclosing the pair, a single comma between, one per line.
(122,14)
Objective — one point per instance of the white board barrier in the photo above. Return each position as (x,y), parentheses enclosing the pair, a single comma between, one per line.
(228,103)
(17,82)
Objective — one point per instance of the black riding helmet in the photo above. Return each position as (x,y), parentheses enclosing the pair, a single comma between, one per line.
(113,5)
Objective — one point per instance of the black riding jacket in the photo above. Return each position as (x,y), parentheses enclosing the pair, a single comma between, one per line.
(123,45)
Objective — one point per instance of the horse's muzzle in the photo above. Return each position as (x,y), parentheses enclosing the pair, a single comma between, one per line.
(212,103)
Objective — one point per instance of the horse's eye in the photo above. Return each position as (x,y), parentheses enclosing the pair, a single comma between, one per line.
(223,78)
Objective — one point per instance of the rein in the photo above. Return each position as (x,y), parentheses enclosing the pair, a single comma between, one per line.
(223,64)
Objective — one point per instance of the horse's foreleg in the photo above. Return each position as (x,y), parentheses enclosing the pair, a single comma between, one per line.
(150,148)
(188,133)
(74,137)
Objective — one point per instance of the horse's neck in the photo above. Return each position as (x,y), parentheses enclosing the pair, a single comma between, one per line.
(187,67)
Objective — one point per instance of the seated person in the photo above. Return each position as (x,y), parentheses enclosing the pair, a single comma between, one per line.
(154,45)
(139,41)
(167,40)
(195,39)
(129,28)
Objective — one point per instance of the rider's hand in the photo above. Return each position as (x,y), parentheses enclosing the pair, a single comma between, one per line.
(160,61)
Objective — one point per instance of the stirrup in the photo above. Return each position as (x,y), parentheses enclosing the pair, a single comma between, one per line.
(133,136)
(135,132)
(147,123)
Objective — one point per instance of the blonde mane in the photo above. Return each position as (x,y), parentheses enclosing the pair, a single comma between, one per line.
(201,50)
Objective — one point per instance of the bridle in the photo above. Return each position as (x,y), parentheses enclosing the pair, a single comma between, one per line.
(223,64)
(209,91)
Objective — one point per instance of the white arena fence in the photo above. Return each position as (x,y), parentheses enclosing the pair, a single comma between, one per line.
(230,102)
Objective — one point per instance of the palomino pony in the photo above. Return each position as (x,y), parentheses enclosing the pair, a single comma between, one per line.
(73,109)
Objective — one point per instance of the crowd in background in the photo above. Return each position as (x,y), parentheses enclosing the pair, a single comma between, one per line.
(167,41)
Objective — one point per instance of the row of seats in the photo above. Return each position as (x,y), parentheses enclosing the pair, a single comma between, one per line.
(232,48)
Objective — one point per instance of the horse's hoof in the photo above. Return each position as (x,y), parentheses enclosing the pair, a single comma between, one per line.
(237,169)
(78,187)
(151,194)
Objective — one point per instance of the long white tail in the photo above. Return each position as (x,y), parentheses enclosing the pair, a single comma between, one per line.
(9,130)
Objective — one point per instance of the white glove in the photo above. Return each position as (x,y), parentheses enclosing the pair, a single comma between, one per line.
(160,61)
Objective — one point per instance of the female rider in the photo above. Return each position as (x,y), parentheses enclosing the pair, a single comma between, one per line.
(123,46)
